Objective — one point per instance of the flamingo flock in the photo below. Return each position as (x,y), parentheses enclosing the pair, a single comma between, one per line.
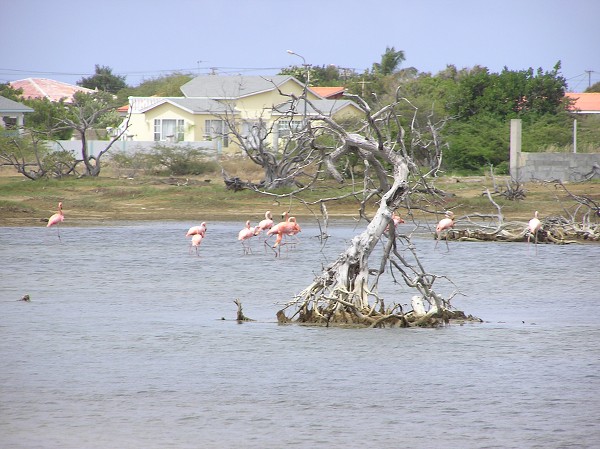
(289,227)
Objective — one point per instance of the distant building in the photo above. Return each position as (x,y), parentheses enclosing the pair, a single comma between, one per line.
(329,93)
(12,114)
(585,103)
(46,88)
(211,104)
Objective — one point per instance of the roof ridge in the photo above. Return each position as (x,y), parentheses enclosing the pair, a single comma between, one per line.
(38,87)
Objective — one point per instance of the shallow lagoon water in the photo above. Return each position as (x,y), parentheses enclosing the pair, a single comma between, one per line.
(123,345)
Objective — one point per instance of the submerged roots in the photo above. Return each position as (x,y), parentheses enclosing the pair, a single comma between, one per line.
(334,311)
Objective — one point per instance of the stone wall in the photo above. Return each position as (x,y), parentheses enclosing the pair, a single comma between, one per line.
(562,166)
(526,167)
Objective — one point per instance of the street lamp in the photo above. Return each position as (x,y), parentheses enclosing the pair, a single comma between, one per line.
(306,66)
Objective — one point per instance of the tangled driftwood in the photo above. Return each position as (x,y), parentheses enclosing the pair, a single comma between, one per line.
(581,225)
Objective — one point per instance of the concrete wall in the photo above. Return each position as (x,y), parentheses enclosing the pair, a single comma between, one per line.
(526,167)
(562,166)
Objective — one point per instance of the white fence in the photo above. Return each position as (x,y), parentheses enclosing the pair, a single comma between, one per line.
(210,148)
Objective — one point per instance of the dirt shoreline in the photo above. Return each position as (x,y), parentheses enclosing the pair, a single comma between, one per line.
(111,199)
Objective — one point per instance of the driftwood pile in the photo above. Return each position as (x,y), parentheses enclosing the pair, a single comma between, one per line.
(557,230)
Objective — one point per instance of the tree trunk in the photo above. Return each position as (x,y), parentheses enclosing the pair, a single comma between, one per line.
(344,285)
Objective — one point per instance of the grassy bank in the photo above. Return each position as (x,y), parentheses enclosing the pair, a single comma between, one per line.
(111,198)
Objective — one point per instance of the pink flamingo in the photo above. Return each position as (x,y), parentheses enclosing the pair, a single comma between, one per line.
(197,230)
(396,219)
(266,224)
(245,234)
(196,240)
(444,224)
(292,230)
(289,227)
(56,219)
(533,227)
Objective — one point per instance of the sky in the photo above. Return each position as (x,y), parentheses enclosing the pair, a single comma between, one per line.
(143,39)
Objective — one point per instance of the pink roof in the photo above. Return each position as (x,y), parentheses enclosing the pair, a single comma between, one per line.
(585,102)
(328,92)
(45,88)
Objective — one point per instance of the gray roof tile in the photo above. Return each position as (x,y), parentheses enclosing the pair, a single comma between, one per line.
(10,106)
(215,86)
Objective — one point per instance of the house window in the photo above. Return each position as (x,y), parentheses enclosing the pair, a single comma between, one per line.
(286,127)
(214,129)
(169,130)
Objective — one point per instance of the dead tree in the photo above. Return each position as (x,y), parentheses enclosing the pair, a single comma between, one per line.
(31,157)
(346,292)
(283,160)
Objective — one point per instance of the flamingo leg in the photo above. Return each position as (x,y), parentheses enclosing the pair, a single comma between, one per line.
(246,248)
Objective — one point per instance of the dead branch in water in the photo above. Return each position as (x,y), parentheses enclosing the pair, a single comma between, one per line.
(240,313)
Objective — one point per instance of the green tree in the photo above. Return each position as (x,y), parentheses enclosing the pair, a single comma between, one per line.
(509,94)
(390,61)
(87,113)
(593,88)
(7,91)
(482,103)
(45,118)
(162,86)
(476,143)
(104,80)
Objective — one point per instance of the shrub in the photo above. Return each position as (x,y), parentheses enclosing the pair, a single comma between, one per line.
(178,161)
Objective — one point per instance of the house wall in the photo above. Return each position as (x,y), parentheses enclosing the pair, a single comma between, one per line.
(143,124)
(249,108)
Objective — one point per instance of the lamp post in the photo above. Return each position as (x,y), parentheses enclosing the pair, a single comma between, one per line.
(306,66)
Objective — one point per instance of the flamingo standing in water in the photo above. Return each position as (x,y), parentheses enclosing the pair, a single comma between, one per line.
(289,227)
(197,230)
(396,219)
(292,231)
(533,227)
(245,234)
(266,224)
(445,223)
(196,240)
(56,219)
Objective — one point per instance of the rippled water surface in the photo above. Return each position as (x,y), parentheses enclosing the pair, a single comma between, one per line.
(123,346)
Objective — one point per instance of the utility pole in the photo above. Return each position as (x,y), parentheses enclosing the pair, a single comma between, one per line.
(307,68)
(589,72)
(363,82)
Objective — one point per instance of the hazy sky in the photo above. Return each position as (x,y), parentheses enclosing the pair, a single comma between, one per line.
(142,39)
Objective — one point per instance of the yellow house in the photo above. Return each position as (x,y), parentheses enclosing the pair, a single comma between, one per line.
(216,108)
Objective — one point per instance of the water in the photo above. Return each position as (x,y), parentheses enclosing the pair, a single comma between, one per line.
(124,346)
